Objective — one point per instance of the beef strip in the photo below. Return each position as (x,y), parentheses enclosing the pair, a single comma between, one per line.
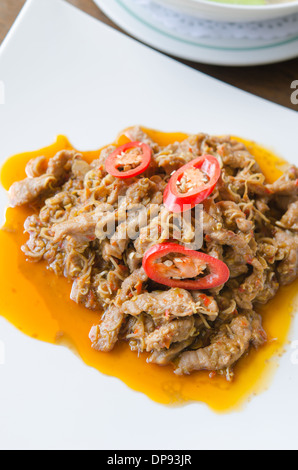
(226,348)
(290,218)
(215,232)
(287,184)
(172,157)
(36,167)
(60,165)
(252,286)
(162,305)
(171,332)
(166,356)
(132,285)
(82,227)
(105,335)
(287,269)
(28,190)
(206,305)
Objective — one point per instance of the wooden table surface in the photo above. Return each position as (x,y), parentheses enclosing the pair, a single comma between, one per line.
(272,82)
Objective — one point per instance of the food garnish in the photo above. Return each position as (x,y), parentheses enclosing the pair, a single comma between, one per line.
(129,160)
(174,265)
(192,184)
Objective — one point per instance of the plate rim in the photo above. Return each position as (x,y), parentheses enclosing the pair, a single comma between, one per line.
(109,7)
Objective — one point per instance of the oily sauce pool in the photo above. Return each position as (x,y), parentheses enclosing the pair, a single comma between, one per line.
(37,302)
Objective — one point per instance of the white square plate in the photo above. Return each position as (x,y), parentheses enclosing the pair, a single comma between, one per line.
(65,72)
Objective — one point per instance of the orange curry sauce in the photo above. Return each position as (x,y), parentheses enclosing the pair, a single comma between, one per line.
(37,302)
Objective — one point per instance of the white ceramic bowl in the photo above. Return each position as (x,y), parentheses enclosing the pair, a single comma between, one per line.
(208,9)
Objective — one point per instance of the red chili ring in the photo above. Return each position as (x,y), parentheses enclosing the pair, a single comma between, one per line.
(176,201)
(218,271)
(111,162)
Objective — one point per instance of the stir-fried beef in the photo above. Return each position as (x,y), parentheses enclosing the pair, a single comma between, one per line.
(167,355)
(227,346)
(105,336)
(287,243)
(95,229)
(290,218)
(168,304)
(171,332)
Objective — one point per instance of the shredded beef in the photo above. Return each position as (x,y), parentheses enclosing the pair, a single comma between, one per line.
(94,229)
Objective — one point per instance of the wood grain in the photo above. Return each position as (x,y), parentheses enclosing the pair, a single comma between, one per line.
(272,82)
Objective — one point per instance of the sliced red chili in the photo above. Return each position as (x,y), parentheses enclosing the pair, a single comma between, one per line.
(174,265)
(192,183)
(129,160)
